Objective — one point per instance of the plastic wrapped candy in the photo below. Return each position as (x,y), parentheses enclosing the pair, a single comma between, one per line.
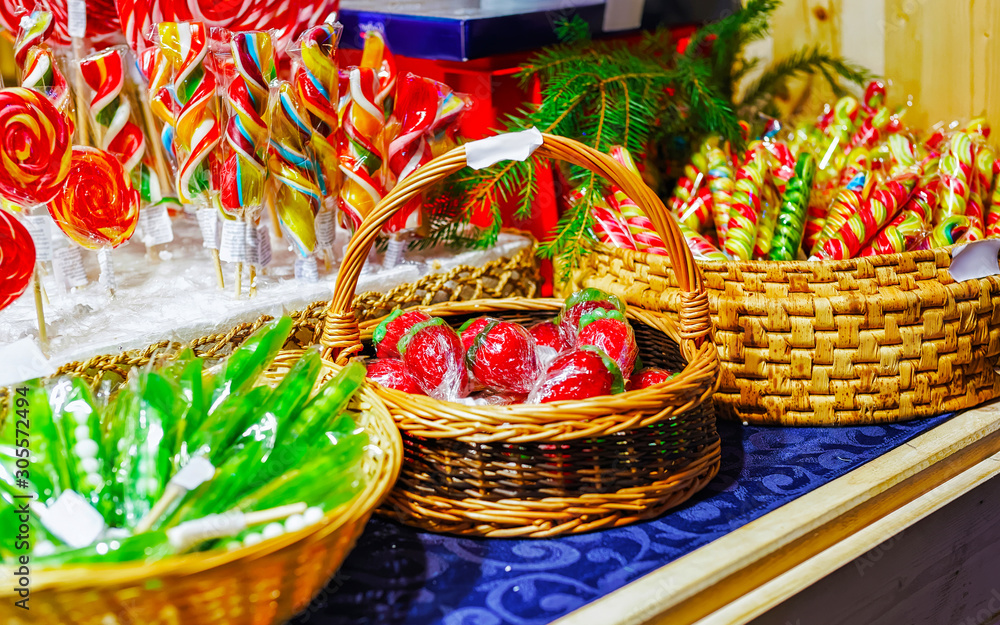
(36,147)
(17,259)
(650,376)
(433,353)
(580,302)
(609,331)
(392,373)
(471,328)
(502,357)
(549,342)
(392,328)
(578,374)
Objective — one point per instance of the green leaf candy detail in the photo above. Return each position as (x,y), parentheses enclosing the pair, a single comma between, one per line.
(379,335)
(600,313)
(618,384)
(477,342)
(404,341)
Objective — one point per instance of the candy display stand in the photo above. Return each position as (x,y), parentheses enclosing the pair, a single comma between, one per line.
(263,584)
(564,467)
(847,342)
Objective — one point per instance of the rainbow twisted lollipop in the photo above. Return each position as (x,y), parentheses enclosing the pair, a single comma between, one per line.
(701,248)
(42,74)
(948,231)
(955,168)
(686,203)
(638,224)
(359,153)
(376,56)
(842,123)
(104,73)
(720,181)
(898,235)
(316,85)
(246,132)
(883,205)
(35,29)
(607,224)
(296,192)
(849,201)
(741,233)
(185,45)
(993,217)
(416,105)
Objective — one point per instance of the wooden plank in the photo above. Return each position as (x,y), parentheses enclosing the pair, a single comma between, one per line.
(985,39)
(862,550)
(719,573)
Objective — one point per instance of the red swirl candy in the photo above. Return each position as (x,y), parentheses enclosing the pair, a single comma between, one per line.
(17,259)
(98,206)
(35,152)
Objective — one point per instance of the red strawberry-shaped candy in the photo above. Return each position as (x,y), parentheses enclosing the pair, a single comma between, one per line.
(650,376)
(502,357)
(392,328)
(608,330)
(433,354)
(471,328)
(578,374)
(392,373)
(582,302)
(547,334)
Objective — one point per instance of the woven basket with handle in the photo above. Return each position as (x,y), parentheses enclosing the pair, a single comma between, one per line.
(850,342)
(568,466)
(263,584)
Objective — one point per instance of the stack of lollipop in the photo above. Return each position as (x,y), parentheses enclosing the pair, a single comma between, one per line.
(856,182)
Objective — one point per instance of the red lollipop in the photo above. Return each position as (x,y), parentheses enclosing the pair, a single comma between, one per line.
(98,208)
(17,259)
(34,147)
(102,18)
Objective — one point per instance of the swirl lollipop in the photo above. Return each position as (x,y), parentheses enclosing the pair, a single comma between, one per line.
(98,208)
(42,74)
(17,259)
(34,30)
(35,155)
(104,73)
(376,56)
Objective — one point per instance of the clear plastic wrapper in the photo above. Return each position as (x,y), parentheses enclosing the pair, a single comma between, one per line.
(648,376)
(392,328)
(581,302)
(580,373)
(609,331)
(433,353)
(392,373)
(501,357)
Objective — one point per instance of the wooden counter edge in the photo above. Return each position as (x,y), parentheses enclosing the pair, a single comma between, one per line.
(718,574)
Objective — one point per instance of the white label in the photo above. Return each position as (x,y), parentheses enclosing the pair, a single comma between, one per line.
(306,269)
(68,263)
(208,222)
(107,278)
(73,520)
(975,260)
(196,472)
(263,246)
(252,245)
(326,230)
(622,15)
(77,18)
(21,361)
(155,226)
(233,245)
(511,146)
(38,228)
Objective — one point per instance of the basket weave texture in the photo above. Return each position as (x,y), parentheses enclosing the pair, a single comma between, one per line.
(563,467)
(851,342)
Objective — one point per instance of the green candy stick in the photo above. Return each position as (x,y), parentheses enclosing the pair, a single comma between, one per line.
(31,422)
(245,365)
(78,419)
(791,221)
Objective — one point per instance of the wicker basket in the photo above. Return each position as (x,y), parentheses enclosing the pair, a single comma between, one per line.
(850,342)
(563,467)
(266,583)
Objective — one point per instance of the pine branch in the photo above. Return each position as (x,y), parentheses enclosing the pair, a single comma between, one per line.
(806,61)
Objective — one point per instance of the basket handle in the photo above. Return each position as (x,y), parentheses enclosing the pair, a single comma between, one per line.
(341,337)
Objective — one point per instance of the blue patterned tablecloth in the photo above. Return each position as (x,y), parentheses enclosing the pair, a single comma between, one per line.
(400,576)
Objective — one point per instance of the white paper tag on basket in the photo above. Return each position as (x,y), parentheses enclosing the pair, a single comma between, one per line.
(252,245)
(76,21)
(306,269)
(155,226)
(511,146)
(975,260)
(233,244)
(622,15)
(263,246)
(72,520)
(38,227)
(208,223)
(196,472)
(21,361)
(67,264)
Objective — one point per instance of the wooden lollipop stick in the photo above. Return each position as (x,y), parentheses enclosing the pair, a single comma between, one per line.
(43,336)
